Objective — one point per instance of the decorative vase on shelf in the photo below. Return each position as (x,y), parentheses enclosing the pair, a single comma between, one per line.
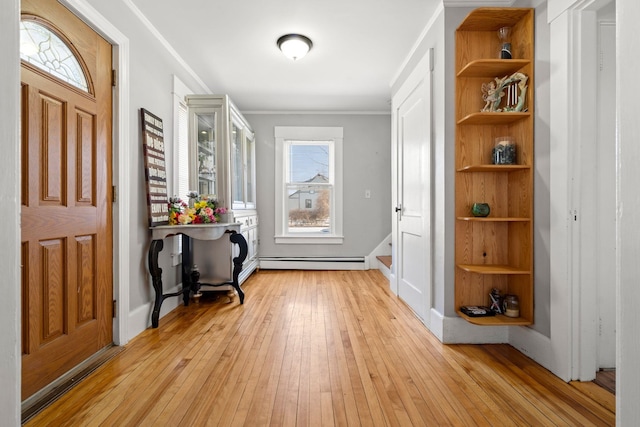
(193,198)
(226,218)
(480,209)
(504,34)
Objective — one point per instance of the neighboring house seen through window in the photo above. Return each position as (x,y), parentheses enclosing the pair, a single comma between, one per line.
(308,185)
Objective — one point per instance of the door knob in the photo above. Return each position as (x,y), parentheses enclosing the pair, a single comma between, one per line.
(398,208)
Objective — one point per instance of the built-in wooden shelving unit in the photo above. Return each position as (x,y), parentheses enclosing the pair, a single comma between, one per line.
(494,251)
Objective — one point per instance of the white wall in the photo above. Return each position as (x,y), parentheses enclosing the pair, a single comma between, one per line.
(367,165)
(10,224)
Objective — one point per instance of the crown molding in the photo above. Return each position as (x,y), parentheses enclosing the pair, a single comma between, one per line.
(138,13)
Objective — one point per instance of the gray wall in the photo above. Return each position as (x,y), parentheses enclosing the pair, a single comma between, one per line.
(152,68)
(367,165)
(542,181)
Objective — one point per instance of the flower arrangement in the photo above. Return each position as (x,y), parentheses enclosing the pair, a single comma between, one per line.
(200,210)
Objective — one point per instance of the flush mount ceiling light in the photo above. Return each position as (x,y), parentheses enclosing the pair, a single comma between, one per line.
(294,46)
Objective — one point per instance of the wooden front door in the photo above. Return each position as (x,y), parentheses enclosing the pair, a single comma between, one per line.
(66,222)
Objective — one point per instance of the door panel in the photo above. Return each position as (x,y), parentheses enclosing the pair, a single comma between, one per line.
(413,265)
(66,208)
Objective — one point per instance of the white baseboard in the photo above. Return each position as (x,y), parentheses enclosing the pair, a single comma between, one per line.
(386,272)
(533,344)
(315,263)
(436,325)
(140,318)
(455,330)
(392,282)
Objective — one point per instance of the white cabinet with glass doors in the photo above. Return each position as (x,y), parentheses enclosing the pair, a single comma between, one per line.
(222,163)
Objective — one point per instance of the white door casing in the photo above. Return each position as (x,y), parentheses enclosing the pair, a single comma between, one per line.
(411,106)
(606,196)
(573,79)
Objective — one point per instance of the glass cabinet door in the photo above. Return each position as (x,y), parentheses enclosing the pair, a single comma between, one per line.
(249,149)
(206,153)
(237,169)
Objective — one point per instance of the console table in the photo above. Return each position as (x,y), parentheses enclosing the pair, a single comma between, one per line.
(190,280)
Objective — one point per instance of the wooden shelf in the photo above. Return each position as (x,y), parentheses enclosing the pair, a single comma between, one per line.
(488,249)
(492,67)
(497,320)
(492,219)
(493,168)
(492,18)
(492,269)
(483,118)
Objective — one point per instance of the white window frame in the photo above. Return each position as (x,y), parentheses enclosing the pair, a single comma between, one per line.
(283,134)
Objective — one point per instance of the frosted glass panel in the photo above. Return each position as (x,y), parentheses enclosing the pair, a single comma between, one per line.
(42,48)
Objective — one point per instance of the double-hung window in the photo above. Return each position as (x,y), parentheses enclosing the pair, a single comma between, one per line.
(308,185)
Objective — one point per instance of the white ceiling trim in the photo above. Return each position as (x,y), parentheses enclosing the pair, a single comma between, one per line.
(138,13)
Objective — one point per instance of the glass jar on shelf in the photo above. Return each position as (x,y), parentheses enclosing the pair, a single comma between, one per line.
(504,151)
(511,306)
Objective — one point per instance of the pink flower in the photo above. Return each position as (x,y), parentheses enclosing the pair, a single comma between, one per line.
(184,219)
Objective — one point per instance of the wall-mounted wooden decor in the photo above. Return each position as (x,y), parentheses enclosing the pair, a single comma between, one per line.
(155,171)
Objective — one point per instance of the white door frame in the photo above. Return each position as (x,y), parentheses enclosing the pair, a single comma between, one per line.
(121,149)
(573,298)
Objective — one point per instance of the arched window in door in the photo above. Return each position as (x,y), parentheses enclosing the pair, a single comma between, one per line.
(41,47)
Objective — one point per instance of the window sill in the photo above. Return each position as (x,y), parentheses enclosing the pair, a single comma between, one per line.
(309,240)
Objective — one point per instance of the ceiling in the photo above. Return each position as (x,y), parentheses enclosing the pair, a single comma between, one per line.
(358,47)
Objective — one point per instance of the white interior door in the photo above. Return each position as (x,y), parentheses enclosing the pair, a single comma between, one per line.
(606,197)
(412,233)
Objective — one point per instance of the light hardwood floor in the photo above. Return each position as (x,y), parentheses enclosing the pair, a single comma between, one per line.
(319,349)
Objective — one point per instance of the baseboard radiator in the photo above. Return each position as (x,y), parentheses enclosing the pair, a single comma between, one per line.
(314,263)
